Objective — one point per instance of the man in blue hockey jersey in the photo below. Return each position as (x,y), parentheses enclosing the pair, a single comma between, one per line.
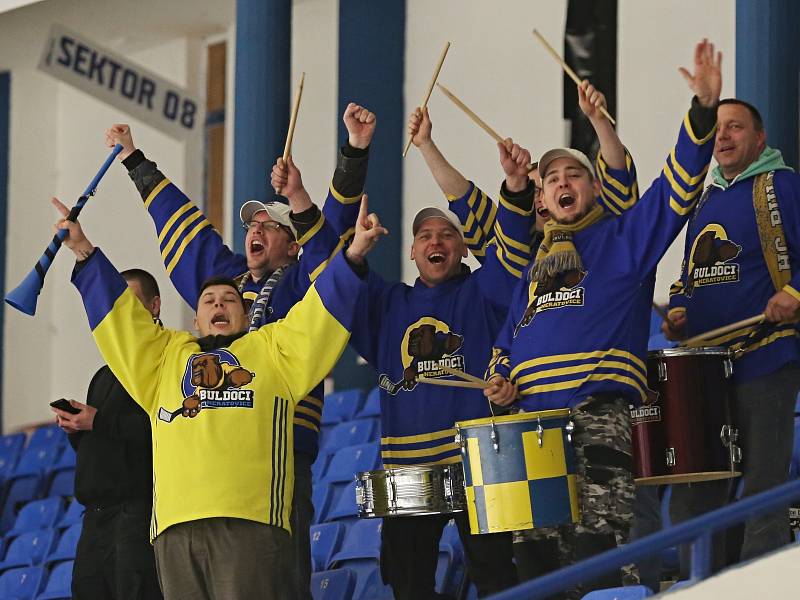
(576,333)
(741,259)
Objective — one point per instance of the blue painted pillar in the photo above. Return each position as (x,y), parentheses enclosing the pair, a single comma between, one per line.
(768,67)
(262,98)
(371,73)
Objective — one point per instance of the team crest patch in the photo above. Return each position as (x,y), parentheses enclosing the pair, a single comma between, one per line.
(709,260)
(553,292)
(427,345)
(212,380)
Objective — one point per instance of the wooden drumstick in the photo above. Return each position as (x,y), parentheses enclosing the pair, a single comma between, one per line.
(475,118)
(660,312)
(567,69)
(758,319)
(287,148)
(452,383)
(462,374)
(430,90)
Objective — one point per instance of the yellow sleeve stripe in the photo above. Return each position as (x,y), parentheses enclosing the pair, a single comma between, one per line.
(512,242)
(609,363)
(687,125)
(308,411)
(678,190)
(315,401)
(422,437)
(791,291)
(514,257)
(602,167)
(514,208)
(557,358)
(156,190)
(433,450)
(565,385)
(771,338)
(299,421)
(173,219)
(180,230)
(344,199)
(314,229)
(186,241)
(501,256)
(450,460)
(342,240)
(683,174)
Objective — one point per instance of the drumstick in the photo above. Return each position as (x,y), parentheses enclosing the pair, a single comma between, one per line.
(723,330)
(461,374)
(476,119)
(567,69)
(287,148)
(451,383)
(660,312)
(430,90)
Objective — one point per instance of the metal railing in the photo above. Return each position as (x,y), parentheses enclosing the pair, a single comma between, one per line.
(697,531)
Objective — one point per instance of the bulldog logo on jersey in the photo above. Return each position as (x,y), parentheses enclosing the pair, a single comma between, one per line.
(553,292)
(709,259)
(427,345)
(212,380)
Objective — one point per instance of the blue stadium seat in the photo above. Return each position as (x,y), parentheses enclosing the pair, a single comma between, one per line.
(369,584)
(372,405)
(333,585)
(446,582)
(450,541)
(66,460)
(62,483)
(659,342)
(631,592)
(342,502)
(28,549)
(319,466)
(12,443)
(67,545)
(59,584)
(472,592)
(21,584)
(655,322)
(326,538)
(349,461)
(38,514)
(20,491)
(341,406)
(72,516)
(36,460)
(8,462)
(349,433)
(321,496)
(361,540)
(49,436)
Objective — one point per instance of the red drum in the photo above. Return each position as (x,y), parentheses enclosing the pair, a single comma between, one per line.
(684,431)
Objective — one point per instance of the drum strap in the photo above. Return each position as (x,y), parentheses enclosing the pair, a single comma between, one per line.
(770,230)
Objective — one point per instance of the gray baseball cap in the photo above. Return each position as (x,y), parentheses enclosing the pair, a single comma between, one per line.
(277,211)
(430,212)
(555,153)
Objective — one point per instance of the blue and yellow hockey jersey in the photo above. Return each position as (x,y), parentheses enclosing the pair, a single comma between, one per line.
(588,334)
(234,457)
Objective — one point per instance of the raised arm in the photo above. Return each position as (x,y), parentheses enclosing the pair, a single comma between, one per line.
(191,249)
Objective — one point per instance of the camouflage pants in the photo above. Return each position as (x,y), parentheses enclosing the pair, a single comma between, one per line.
(604,467)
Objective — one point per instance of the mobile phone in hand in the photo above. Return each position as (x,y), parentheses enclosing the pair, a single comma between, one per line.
(63,404)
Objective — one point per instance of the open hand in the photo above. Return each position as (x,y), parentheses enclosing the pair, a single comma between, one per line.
(706,81)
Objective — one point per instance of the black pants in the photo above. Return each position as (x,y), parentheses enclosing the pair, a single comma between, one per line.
(114,558)
(410,550)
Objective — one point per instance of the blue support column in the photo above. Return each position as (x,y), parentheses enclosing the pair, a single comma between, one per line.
(5,152)
(768,67)
(371,73)
(262,104)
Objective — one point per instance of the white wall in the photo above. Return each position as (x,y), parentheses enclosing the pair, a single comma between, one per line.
(56,148)
(500,71)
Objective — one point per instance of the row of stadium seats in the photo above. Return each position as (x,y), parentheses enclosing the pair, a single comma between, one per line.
(38,583)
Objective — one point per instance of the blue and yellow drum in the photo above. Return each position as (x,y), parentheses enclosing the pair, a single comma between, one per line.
(519,471)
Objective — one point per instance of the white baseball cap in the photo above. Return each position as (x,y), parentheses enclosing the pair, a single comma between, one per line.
(277,211)
(431,212)
(555,153)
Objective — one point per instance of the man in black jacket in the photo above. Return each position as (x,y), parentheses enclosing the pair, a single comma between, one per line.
(114,481)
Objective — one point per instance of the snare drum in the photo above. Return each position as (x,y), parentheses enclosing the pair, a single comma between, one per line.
(685,433)
(410,491)
(519,471)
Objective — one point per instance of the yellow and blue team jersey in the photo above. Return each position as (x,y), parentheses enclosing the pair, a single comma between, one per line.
(232,458)
(587,332)
(193,251)
(409,331)
(725,278)
(619,191)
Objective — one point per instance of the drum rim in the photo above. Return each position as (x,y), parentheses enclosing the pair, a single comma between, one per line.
(519,417)
(412,469)
(700,351)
